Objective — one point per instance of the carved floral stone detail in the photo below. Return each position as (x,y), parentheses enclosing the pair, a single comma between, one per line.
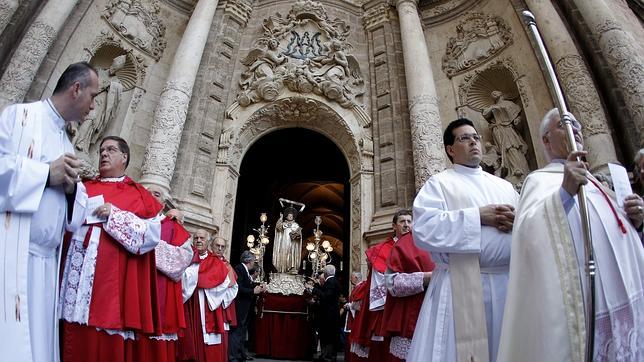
(580,91)
(428,156)
(313,58)
(356,216)
(478,38)
(138,23)
(25,62)
(297,112)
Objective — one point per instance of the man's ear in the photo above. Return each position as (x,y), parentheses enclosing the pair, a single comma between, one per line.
(449,149)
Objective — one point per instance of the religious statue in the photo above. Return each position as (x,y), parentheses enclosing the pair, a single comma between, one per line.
(258,82)
(107,102)
(287,244)
(503,116)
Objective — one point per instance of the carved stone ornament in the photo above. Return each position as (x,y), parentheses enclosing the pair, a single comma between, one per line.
(108,46)
(138,22)
(297,112)
(287,284)
(501,74)
(305,52)
(478,38)
(377,15)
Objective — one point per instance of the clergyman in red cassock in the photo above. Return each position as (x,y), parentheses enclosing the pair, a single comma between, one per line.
(173,255)
(409,270)
(108,296)
(206,293)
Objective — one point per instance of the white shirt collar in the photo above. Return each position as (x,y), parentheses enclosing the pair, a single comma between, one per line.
(467,170)
(54,114)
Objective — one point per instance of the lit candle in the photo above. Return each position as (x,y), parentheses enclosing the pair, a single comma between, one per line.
(340,265)
(303,264)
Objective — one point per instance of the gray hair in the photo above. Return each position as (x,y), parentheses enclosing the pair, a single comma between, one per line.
(547,119)
(329,270)
(246,257)
(638,158)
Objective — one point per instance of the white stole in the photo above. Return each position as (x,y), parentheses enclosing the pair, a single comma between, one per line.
(467,288)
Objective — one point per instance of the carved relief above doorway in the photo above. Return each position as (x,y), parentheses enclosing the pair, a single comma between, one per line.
(478,38)
(304,52)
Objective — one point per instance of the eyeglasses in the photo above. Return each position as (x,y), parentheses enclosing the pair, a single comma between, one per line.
(576,126)
(468,137)
(110,149)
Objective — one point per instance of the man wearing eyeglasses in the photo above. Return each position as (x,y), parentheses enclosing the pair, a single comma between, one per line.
(545,315)
(108,285)
(463,216)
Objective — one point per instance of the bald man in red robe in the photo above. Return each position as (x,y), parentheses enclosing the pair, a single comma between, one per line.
(206,291)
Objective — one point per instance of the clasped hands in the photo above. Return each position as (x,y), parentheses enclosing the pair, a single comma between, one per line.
(260,288)
(65,171)
(500,216)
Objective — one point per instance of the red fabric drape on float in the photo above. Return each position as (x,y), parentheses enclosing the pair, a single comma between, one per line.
(278,335)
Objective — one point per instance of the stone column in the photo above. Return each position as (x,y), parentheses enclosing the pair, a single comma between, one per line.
(576,83)
(170,114)
(421,93)
(623,54)
(31,51)
(7,9)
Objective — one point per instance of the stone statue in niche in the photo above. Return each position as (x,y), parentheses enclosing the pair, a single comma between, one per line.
(106,109)
(503,116)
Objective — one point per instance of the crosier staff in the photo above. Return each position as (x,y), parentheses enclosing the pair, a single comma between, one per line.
(565,116)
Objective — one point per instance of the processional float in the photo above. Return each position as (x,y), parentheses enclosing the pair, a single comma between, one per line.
(566,118)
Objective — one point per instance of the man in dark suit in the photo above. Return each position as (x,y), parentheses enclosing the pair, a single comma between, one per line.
(329,314)
(247,289)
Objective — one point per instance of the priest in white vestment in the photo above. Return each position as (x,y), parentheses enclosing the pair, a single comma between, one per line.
(39,197)
(545,309)
(463,216)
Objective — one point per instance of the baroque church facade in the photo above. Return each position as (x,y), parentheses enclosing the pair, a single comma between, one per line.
(195,85)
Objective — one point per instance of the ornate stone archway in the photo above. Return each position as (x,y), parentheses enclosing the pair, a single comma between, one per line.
(245,126)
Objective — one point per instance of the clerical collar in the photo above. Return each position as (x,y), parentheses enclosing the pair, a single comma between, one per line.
(468,170)
(203,256)
(60,121)
(112,179)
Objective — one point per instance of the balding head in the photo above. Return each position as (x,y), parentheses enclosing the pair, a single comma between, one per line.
(219,246)
(158,193)
(200,241)
(554,137)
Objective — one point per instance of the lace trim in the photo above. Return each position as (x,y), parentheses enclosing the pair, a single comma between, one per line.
(399,346)
(112,179)
(359,350)
(165,337)
(173,260)
(619,335)
(78,277)
(127,229)
(377,292)
(124,334)
(406,284)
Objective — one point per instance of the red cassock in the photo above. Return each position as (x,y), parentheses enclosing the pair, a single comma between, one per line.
(357,295)
(367,323)
(212,272)
(401,313)
(124,292)
(170,303)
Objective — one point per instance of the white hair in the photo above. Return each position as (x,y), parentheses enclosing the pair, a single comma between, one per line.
(547,119)
(329,270)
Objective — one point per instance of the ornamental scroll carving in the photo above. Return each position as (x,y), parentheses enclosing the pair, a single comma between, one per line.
(138,22)
(478,38)
(306,52)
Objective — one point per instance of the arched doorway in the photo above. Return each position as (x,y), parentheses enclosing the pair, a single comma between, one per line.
(300,165)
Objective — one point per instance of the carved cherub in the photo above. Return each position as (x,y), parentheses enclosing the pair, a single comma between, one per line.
(262,64)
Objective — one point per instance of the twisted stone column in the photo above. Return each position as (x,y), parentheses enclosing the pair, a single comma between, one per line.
(424,118)
(31,51)
(170,114)
(624,55)
(7,9)
(576,82)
